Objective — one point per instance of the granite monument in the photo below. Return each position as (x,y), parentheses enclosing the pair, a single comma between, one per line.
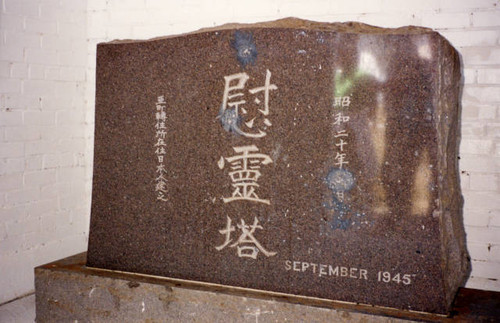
(292,156)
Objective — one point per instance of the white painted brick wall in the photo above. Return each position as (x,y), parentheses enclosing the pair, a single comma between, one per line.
(47,75)
(42,127)
(479,46)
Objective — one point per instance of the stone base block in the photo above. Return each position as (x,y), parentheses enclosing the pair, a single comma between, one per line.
(67,291)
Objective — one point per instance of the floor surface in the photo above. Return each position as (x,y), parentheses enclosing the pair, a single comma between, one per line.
(19,311)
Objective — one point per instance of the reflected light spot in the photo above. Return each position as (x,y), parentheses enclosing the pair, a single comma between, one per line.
(424,51)
(420,194)
(378,137)
(378,130)
(368,65)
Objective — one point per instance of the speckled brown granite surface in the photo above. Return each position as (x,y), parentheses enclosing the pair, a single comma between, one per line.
(291,156)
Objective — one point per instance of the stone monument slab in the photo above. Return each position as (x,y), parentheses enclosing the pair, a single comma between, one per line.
(296,157)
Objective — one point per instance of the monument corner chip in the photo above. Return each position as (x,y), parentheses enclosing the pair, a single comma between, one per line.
(292,156)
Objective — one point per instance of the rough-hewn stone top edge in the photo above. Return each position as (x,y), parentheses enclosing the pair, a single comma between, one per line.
(296,23)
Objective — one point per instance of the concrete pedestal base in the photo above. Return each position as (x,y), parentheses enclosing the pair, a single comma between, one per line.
(67,291)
